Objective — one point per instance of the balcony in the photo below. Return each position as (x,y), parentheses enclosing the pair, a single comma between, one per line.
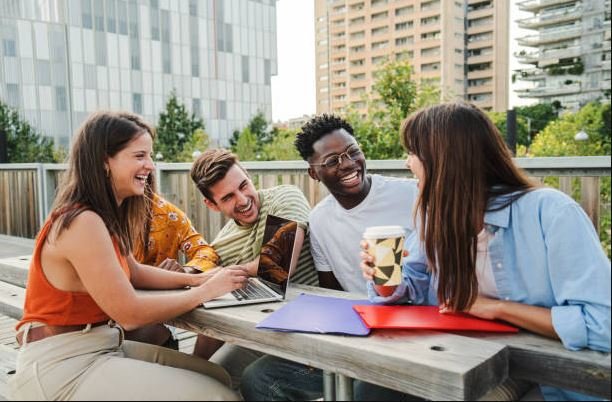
(548,56)
(550,37)
(566,15)
(531,74)
(536,5)
(545,92)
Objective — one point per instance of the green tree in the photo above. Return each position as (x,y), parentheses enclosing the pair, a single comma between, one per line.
(530,120)
(246,145)
(281,147)
(557,139)
(25,144)
(199,142)
(259,127)
(175,129)
(396,95)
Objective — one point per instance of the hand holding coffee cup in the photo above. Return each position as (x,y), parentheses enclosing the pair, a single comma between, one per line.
(383,246)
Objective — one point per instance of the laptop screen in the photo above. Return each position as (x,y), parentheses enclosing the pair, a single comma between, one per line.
(275,258)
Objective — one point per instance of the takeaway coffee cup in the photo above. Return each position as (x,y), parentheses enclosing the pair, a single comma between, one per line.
(385,244)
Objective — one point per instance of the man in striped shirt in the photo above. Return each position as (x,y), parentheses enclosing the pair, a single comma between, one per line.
(228,189)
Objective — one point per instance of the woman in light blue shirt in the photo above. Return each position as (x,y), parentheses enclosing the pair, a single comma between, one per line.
(493,244)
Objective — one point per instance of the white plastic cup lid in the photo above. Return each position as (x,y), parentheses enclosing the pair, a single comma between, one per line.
(381,232)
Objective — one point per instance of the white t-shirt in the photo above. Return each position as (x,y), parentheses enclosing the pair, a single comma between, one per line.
(335,232)
(484,273)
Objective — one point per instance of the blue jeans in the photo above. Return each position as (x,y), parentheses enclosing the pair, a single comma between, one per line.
(273,379)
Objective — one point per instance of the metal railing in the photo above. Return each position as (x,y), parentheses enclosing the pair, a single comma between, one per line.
(27,190)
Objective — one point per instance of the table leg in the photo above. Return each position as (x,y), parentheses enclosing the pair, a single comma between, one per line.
(344,388)
(329,386)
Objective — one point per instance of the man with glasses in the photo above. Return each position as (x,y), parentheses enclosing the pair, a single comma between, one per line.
(357,200)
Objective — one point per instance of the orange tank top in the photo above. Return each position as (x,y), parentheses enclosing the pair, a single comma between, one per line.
(48,305)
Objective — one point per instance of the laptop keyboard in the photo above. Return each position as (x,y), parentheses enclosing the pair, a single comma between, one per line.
(252,292)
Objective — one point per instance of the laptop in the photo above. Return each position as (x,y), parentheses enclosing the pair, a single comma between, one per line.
(277,260)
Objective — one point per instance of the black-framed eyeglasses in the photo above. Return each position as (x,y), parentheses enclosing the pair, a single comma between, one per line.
(334,161)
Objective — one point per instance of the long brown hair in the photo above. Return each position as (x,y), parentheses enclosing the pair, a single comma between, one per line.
(466,163)
(86,184)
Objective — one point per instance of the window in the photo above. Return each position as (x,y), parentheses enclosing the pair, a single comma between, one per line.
(430,35)
(406,55)
(100,45)
(196,107)
(406,40)
(431,51)
(135,53)
(245,69)
(358,35)
(380,30)
(430,5)
(380,16)
(12,95)
(99,15)
(358,20)
(358,77)
(430,20)
(111,21)
(430,67)
(60,99)
(154,21)
(267,72)
(404,11)
(122,14)
(10,49)
(379,59)
(380,45)
(357,7)
(357,63)
(376,3)
(86,14)
(403,25)
(222,109)
(358,49)
(193,8)
(43,72)
(137,103)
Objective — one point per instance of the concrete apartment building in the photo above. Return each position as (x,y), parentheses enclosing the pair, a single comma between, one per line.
(60,60)
(460,45)
(568,57)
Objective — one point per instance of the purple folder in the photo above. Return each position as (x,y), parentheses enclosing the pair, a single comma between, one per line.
(318,314)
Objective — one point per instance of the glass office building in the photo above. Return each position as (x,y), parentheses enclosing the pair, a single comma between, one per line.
(63,59)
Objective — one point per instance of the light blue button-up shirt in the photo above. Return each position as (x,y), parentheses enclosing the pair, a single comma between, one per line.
(544,252)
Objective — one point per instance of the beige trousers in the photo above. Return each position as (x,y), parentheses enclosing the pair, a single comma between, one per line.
(97,364)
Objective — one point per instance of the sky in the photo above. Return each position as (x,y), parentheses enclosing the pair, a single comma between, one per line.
(293,89)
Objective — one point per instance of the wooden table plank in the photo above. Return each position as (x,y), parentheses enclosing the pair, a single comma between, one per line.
(429,364)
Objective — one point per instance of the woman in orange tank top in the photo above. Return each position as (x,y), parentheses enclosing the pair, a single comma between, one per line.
(83,274)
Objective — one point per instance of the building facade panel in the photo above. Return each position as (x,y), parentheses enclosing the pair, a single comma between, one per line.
(77,56)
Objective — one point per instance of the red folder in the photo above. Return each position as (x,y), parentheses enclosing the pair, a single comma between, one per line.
(426,317)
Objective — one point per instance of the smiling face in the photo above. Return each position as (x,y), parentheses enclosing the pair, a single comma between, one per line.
(235,197)
(347,180)
(130,167)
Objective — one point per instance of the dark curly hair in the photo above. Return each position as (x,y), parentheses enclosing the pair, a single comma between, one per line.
(317,127)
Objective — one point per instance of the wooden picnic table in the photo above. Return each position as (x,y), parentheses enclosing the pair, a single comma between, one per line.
(429,364)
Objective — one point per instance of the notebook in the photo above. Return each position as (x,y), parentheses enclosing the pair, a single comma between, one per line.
(278,258)
(426,317)
(317,314)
